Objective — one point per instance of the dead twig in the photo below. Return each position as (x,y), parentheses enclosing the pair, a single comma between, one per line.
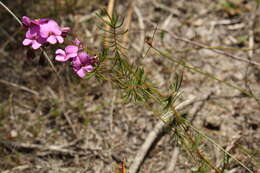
(142,28)
(89,16)
(67,117)
(111,113)
(198,106)
(53,149)
(128,20)
(158,132)
(19,87)
(173,11)
(152,136)
(173,161)
(110,9)
(212,49)
(251,45)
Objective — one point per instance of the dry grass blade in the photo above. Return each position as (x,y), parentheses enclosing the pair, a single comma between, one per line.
(214,50)
(20,87)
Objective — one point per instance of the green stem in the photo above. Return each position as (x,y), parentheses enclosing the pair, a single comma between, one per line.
(192,68)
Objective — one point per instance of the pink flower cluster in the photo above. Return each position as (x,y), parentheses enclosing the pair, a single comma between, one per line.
(43,31)
(81,61)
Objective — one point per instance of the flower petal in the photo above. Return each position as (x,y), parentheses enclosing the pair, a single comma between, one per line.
(60,39)
(60,52)
(65,29)
(76,41)
(72,55)
(76,62)
(32,32)
(27,42)
(81,73)
(71,49)
(88,68)
(52,39)
(35,45)
(60,58)
(26,21)
(84,57)
(54,27)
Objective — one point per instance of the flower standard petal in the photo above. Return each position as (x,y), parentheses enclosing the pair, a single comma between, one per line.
(72,55)
(26,21)
(71,49)
(54,27)
(50,27)
(84,58)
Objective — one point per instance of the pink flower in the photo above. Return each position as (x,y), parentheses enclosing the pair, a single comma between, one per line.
(64,31)
(83,63)
(77,42)
(32,37)
(51,31)
(71,51)
(42,31)
(26,21)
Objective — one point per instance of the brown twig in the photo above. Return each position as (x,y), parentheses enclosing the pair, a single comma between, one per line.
(110,9)
(54,149)
(20,87)
(152,136)
(173,161)
(251,45)
(142,28)
(212,49)
(173,11)
(67,117)
(128,20)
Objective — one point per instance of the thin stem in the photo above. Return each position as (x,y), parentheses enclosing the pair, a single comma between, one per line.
(213,49)
(219,147)
(192,68)
(16,18)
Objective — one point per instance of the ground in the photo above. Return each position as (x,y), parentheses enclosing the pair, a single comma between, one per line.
(66,124)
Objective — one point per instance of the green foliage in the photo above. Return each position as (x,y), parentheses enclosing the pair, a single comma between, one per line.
(226,160)
(204,168)
(227,4)
(137,87)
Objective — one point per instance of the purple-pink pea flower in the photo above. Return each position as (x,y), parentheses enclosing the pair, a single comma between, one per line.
(42,31)
(51,31)
(32,38)
(71,51)
(82,63)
